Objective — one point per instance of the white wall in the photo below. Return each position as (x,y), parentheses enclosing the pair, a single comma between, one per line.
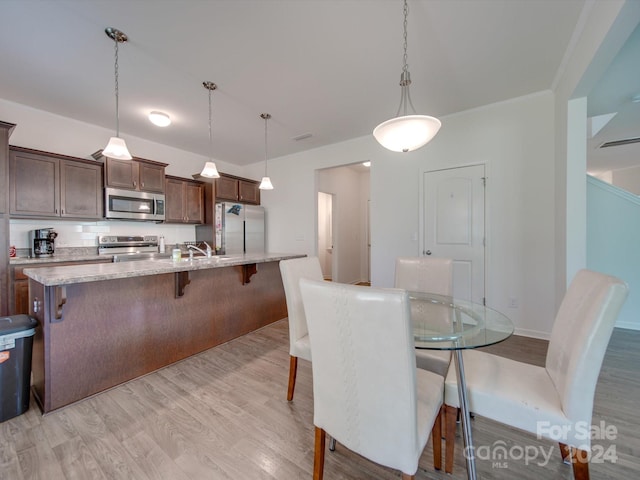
(514,139)
(46,131)
(609,210)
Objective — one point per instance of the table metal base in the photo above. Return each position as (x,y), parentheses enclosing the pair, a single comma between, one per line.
(465,417)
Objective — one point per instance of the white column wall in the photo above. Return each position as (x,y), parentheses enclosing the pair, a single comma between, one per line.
(601,32)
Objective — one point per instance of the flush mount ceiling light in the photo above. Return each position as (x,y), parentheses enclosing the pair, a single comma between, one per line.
(265,184)
(367,163)
(210,170)
(116,148)
(159,119)
(407,132)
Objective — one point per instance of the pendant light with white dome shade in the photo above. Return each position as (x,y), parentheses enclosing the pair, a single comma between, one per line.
(405,133)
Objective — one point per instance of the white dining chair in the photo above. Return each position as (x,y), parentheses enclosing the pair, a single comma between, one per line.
(555,401)
(292,271)
(430,275)
(367,392)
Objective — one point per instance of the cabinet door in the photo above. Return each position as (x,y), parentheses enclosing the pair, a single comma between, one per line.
(81,190)
(151,177)
(194,202)
(227,188)
(121,173)
(20,293)
(174,207)
(33,188)
(248,192)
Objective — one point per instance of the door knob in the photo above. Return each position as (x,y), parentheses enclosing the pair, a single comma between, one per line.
(428,252)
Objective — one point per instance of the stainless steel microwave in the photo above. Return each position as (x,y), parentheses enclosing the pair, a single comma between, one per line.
(133,205)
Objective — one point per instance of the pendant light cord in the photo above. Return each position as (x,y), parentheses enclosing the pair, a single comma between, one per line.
(117,90)
(405,77)
(210,134)
(266,118)
(405,66)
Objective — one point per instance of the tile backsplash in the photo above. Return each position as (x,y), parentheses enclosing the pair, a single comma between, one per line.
(85,234)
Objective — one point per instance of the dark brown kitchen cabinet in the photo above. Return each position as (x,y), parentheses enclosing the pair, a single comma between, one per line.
(19,283)
(50,185)
(237,189)
(137,174)
(184,201)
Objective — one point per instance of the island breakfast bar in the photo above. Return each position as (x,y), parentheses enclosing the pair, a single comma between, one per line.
(104,324)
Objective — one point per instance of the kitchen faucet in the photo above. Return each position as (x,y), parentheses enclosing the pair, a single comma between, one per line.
(191,248)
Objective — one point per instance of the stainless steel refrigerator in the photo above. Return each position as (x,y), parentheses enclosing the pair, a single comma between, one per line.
(239,228)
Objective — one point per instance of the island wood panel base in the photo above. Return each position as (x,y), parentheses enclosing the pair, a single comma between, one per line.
(115,330)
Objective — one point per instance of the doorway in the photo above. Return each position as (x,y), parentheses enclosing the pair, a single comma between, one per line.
(342,223)
(454,226)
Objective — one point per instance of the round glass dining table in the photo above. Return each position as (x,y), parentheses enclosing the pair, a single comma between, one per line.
(447,323)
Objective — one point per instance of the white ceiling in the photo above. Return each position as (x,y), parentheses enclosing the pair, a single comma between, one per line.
(325,67)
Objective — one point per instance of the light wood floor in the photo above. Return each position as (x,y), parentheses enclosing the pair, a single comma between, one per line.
(223,414)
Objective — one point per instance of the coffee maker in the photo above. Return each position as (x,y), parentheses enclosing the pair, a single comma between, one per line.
(41,242)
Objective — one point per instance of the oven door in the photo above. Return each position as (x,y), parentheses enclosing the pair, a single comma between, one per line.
(132,205)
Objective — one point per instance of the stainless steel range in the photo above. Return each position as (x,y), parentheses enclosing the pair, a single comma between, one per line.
(126,248)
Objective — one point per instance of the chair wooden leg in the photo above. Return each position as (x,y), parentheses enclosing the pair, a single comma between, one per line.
(578,458)
(451,413)
(408,477)
(318,455)
(293,368)
(565,451)
(436,438)
(580,462)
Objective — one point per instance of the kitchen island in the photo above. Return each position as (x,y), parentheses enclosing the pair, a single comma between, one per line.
(104,324)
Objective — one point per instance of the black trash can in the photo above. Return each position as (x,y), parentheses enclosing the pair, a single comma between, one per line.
(16,346)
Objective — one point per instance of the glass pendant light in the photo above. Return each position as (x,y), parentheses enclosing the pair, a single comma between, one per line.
(116,148)
(265,184)
(210,170)
(407,132)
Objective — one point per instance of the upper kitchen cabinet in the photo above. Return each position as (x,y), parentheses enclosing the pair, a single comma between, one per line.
(137,174)
(184,201)
(44,184)
(237,189)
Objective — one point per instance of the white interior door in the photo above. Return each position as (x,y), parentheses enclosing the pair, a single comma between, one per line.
(454,225)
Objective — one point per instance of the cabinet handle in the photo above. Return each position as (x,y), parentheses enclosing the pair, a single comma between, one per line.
(142,184)
(135,183)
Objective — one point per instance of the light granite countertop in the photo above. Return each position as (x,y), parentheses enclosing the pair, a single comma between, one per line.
(15,261)
(71,274)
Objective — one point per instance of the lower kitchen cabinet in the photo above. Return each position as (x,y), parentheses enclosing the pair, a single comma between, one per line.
(19,283)
(184,201)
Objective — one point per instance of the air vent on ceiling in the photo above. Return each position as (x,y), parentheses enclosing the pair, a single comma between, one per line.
(624,141)
(304,136)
